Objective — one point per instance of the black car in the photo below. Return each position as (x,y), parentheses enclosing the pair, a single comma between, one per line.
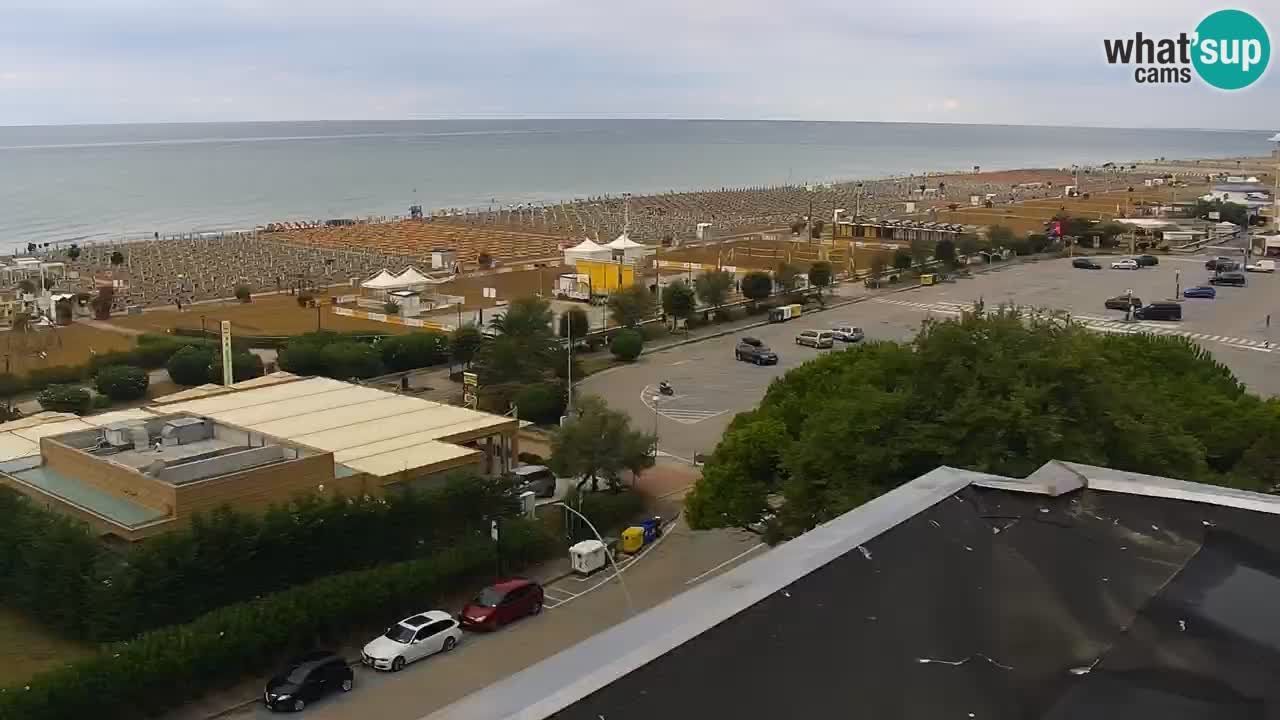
(1147,260)
(537,479)
(1215,262)
(1159,311)
(752,350)
(1122,302)
(1085,264)
(308,679)
(1228,278)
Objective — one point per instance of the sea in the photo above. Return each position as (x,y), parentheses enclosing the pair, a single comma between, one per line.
(64,184)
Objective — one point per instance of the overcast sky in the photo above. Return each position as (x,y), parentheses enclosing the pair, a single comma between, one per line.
(1003,61)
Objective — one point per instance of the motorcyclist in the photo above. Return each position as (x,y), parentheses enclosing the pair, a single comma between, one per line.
(665,388)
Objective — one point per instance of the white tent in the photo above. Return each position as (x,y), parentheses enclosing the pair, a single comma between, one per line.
(586,250)
(411,276)
(382,281)
(629,249)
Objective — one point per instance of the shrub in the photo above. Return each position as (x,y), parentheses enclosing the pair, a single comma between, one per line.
(529,458)
(414,350)
(64,398)
(190,365)
(542,403)
(626,345)
(608,511)
(575,319)
(391,308)
(173,665)
(343,360)
(122,382)
(244,366)
(100,402)
(243,294)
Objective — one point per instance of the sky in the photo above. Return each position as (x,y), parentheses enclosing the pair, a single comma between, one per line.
(992,62)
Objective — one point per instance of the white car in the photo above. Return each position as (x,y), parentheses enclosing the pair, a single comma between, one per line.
(1262,266)
(412,639)
(1127,264)
(847,333)
(816,338)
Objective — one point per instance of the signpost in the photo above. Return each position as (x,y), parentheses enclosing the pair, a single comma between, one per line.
(227,377)
(470,383)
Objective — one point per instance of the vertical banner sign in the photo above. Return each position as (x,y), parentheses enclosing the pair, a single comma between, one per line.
(470,382)
(227,378)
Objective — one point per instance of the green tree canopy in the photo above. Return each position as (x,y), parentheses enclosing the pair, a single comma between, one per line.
(820,274)
(597,443)
(1002,394)
(945,251)
(464,343)
(902,259)
(757,285)
(122,382)
(630,305)
(190,365)
(713,287)
(524,349)
(678,300)
(244,366)
(1001,236)
(785,277)
(575,319)
(626,345)
(1228,211)
(414,350)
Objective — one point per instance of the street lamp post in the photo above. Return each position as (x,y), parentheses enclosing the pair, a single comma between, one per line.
(612,561)
(655,427)
(1177,284)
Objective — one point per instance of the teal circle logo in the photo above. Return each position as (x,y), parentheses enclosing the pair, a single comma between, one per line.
(1231,49)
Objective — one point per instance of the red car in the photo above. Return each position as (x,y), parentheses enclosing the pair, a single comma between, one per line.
(502,602)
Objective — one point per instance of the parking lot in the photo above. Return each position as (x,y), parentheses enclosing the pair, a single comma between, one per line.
(711,387)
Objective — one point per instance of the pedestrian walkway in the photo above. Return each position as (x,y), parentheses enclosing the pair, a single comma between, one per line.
(1104,324)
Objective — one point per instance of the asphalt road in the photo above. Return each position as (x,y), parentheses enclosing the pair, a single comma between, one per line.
(576,609)
(711,387)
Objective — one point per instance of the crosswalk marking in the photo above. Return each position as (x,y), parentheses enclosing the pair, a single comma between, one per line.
(688,417)
(1106,325)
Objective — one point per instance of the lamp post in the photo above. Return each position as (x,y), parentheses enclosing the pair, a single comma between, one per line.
(1177,284)
(612,561)
(655,426)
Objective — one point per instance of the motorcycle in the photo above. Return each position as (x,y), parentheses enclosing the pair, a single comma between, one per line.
(665,388)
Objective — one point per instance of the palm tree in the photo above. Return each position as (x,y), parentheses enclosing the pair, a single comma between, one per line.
(117,258)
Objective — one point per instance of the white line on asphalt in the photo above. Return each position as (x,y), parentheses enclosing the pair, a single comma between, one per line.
(621,568)
(735,558)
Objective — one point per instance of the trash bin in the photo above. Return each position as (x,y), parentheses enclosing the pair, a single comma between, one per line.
(652,529)
(587,556)
(632,539)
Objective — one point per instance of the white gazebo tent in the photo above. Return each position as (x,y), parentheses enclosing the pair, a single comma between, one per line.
(384,281)
(411,278)
(586,250)
(628,250)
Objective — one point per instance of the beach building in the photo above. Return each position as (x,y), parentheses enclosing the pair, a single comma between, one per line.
(899,230)
(586,250)
(626,250)
(136,473)
(1076,592)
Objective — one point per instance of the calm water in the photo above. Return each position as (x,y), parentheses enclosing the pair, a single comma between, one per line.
(60,184)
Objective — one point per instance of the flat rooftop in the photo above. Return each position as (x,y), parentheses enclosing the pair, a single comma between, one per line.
(1080,592)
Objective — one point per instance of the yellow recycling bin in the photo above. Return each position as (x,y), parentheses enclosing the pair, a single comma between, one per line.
(632,539)
(928,279)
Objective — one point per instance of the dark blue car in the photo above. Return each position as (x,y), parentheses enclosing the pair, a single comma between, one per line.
(1200,291)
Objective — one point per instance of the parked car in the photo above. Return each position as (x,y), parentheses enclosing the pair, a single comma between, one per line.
(752,350)
(1148,260)
(1159,311)
(816,338)
(501,603)
(1261,266)
(1215,262)
(1085,264)
(537,479)
(1126,264)
(1122,302)
(847,333)
(1228,278)
(412,639)
(1200,291)
(307,679)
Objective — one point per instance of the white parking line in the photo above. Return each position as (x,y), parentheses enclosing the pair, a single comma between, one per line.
(733,559)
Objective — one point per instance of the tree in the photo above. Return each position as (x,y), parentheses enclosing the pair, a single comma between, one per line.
(190,365)
(797,226)
(464,343)
(626,345)
(414,350)
(945,251)
(541,403)
(820,275)
(347,359)
(27,286)
(65,398)
(243,294)
(1000,236)
(73,252)
(122,382)
(967,244)
(103,302)
(244,366)
(1228,211)
(575,319)
(877,265)
(597,443)
(10,386)
(902,259)
(757,286)
(816,231)
(678,300)
(713,287)
(117,258)
(999,394)
(523,349)
(299,358)
(785,277)
(631,305)
(919,252)
(484,260)
(62,311)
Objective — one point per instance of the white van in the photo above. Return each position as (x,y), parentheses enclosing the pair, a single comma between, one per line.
(820,339)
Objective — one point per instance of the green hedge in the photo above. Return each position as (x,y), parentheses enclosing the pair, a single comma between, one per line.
(171,666)
(65,398)
(225,557)
(608,511)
